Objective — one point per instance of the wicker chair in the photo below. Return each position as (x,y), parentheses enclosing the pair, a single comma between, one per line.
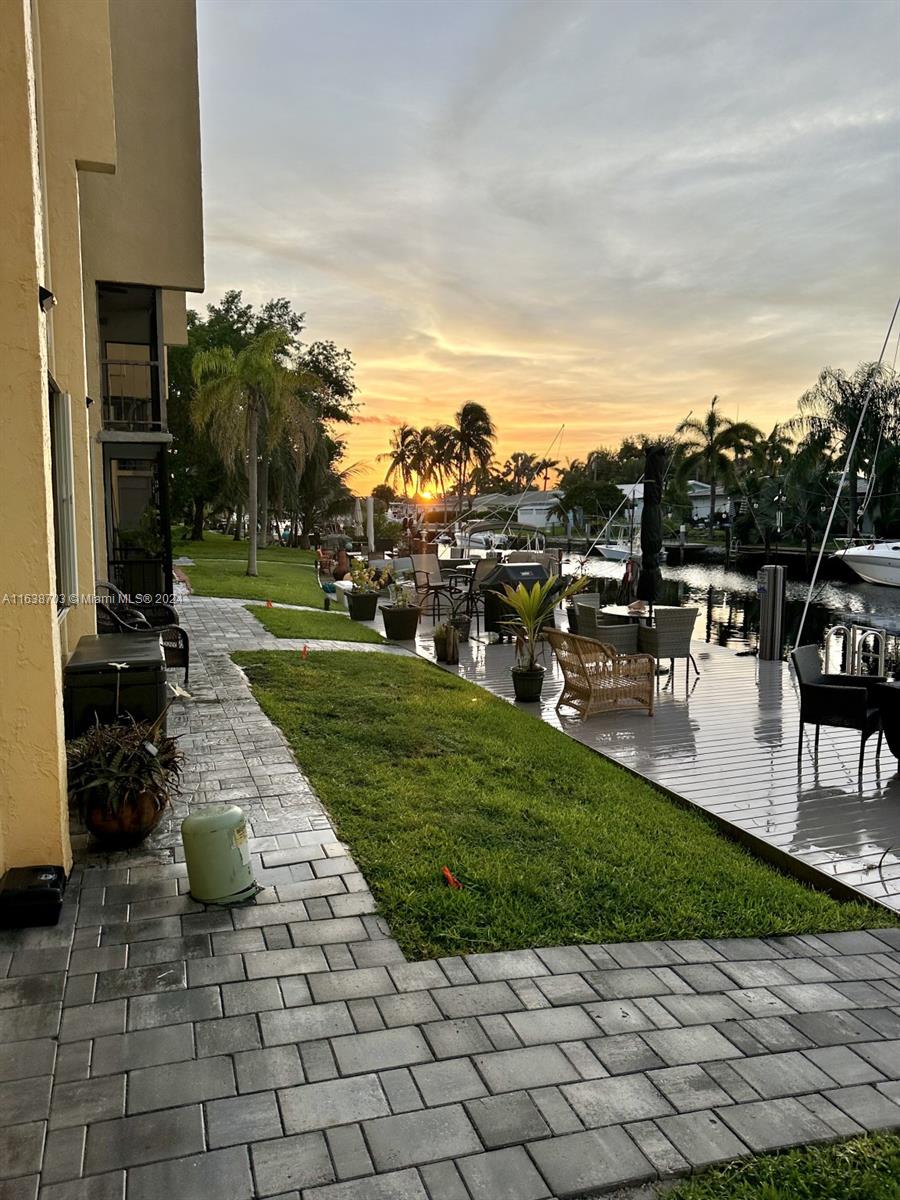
(158,616)
(621,635)
(597,679)
(842,701)
(670,637)
(124,618)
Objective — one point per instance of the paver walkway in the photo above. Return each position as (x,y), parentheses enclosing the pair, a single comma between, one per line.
(153,1048)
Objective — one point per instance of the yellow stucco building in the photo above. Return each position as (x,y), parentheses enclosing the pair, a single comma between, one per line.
(100,236)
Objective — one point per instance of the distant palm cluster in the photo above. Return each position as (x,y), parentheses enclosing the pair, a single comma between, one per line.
(776,484)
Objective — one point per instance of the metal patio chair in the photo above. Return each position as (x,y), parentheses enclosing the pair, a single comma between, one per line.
(841,701)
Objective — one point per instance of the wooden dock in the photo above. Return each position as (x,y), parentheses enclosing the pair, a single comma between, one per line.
(727,743)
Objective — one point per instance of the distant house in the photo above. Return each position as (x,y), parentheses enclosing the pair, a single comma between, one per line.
(698,494)
(540,510)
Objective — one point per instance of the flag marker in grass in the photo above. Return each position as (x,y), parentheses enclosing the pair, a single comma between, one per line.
(450,878)
(269,604)
(304,653)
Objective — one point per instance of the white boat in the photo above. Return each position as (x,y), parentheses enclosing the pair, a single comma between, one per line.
(875,562)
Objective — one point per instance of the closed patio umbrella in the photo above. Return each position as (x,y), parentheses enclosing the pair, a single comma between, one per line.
(650,579)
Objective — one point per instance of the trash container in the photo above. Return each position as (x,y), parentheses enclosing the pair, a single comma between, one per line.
(111,675)
(217,855)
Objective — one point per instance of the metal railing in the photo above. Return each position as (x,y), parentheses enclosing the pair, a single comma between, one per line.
(124,410)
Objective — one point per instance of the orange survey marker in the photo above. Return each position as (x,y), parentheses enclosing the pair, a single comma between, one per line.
(304,653)
(450,878)
(269,604)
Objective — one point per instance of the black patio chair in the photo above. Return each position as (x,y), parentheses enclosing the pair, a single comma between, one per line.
(124,618)
(841,701)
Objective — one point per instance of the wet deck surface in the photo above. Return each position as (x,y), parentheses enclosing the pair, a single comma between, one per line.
(727,742)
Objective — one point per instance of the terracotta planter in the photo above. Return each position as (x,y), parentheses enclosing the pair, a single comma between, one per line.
(133,821)
(528,682)
(362,606)
(400,624)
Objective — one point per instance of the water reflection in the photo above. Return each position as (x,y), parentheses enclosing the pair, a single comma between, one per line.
(729,605)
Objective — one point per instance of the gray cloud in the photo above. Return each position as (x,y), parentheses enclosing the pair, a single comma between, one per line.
(570,209)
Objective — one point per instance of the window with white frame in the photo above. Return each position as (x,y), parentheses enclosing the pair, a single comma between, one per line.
(63,476)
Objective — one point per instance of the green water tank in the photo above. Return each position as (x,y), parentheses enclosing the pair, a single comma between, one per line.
(217,853)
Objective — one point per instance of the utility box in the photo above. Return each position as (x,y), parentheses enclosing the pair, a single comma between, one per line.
(31,896)
(217,854)
(112,675)
(770,589)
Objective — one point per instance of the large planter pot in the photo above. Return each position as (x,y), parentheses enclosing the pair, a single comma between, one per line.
(362,606)
(400,624)
(446,646)
(463,626)
(132,821)
(527,682)
(572,614)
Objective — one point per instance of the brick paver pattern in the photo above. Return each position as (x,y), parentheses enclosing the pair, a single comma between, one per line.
(287,1049)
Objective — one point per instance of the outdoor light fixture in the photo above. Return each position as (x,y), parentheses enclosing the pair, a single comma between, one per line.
(88,401)
(46,299)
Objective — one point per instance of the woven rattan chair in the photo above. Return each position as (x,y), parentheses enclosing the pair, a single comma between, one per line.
(597,679)
(124,619)
(670,637)
(621,635)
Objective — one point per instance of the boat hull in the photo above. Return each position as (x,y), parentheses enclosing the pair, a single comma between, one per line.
(876,564)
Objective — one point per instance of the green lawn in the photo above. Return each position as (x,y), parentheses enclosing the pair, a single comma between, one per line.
(553,844)
(866,1168)
(287,576)
(288,623)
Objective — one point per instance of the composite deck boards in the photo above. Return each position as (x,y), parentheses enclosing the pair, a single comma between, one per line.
(726,741)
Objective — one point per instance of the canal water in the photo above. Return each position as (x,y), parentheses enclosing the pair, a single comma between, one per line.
(729,605)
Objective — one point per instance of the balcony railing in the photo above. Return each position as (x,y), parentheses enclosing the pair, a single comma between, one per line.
(131,395)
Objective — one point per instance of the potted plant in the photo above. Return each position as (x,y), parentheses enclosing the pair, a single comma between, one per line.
(446,643)
(401,616)
(533,608)
(461,621)
(362,602)
(121,777)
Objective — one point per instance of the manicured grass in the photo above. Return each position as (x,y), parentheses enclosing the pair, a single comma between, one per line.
(866,1168)
(287,576)
(553,844)
(288,623)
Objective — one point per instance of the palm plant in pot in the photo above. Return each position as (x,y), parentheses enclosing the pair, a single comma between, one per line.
(362,602)
(401,616)
(121,777)
(533,609)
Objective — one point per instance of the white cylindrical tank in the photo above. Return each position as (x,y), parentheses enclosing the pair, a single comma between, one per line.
(217,853)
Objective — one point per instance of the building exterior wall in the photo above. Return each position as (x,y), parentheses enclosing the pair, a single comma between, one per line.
(99,141)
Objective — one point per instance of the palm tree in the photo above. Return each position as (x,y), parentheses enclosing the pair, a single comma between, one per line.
(400,457)
(234,392)
(830,412)
(709,441)
(474,435)
(545,466)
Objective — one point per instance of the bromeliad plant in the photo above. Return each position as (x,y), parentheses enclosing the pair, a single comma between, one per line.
(112,765)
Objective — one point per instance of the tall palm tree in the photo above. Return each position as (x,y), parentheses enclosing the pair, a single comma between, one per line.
(401,456)
(709,441)
(545,466)
(474,435)
(440,442)
(830,412)
(234,392)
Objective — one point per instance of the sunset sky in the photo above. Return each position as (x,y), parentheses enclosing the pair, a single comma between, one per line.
(595,214)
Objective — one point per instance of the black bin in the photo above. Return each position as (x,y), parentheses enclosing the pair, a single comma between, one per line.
(496,612)
(90,680)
